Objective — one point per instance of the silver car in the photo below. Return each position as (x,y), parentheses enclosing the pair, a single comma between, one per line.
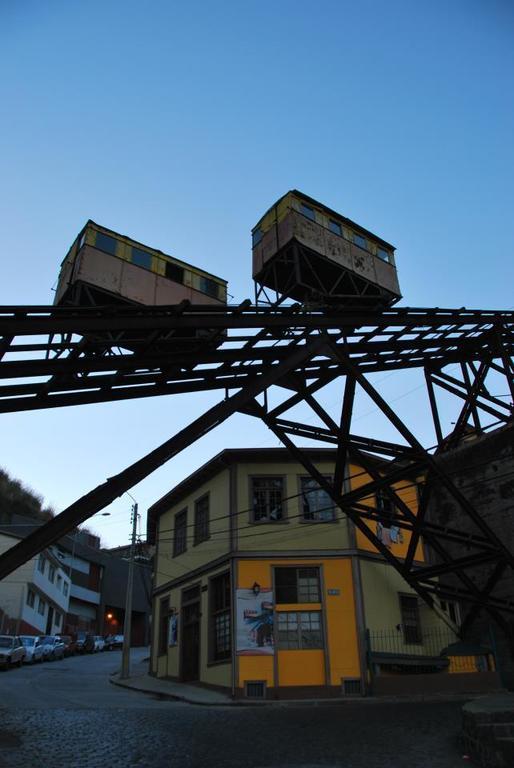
(11,651)
(34,649)
(53,647)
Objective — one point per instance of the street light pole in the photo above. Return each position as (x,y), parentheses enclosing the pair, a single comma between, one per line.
(125,656)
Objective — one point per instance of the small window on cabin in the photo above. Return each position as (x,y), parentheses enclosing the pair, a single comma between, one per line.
(256,237)
(335,227)
(308,211)
(141,258)
(209,287)
(174,272)
(383,254)
(359,240)
(106,243)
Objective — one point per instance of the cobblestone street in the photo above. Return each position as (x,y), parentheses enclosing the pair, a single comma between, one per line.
(67,714)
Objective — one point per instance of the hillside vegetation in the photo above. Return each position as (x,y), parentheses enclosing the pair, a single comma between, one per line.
(18,499)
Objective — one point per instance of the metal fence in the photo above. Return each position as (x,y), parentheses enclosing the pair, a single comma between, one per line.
(405,641)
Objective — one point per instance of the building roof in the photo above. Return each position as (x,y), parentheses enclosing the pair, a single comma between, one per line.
(330,212)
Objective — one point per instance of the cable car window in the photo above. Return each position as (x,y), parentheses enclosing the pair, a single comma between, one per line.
(335,227)
(384,255)
(359,240)
(174,272)
(209,287)
(141,258)
(256,237)
(106,243)
(307,211)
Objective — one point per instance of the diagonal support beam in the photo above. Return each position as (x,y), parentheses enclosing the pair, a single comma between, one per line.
(115,486)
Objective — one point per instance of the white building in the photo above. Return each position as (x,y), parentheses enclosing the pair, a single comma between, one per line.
(35,597)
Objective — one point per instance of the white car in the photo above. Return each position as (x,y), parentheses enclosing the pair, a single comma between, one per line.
(11,651)
(53,647)
(34,649)
(99,643)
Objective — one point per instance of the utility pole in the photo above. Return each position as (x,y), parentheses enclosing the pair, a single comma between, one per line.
(125,655)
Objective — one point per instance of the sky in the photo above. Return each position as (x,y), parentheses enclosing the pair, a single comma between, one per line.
(179,124)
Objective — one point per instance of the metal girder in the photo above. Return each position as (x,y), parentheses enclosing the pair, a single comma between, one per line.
(104,494)
(106,354)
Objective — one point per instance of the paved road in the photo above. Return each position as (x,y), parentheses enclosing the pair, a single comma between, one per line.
(67,715)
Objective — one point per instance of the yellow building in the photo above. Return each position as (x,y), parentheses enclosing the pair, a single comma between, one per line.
(263,588)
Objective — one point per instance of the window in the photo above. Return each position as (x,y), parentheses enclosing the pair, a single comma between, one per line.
(201,519)
(41,563)
(51,573)
(209,287)
(297,585)
(41,607)
(180,537)
(316,503)
(164,611)
(383,254)
(307,211)
(299,630)
(106,243)
(451,609)
(174,272)
(57,620)
(220,617)
(335,227)
(65,589)
(359,240)
(385,508)
(31,598)
(81,241)
(141,258)
(256,237)
(410,619)
(267,494)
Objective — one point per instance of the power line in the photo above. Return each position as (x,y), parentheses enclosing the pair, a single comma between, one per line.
(303,493)
(334,507)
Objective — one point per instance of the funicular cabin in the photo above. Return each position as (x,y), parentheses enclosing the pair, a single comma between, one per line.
(103,268)
(307,252)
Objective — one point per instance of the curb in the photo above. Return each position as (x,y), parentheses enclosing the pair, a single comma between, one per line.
(364,700)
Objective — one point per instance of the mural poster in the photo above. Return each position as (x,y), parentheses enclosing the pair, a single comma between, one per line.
(173,630)
(254,623)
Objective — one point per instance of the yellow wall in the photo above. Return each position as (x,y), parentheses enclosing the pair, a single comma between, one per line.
(292,533)
(307,667)
(169,567)
(168,665)
(407,492)
(381,586)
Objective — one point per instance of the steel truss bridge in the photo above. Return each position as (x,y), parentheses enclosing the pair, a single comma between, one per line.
(53,357)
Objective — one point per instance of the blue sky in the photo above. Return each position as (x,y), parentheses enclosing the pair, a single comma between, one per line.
(180,123)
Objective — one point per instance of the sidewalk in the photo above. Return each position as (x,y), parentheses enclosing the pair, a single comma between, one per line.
(141,681)
(167,689)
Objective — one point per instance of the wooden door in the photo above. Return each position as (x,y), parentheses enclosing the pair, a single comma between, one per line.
(190,661)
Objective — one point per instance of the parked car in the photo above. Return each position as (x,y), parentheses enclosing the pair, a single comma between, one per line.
(12,651)
(85,643)
(99,643)
(113,641)
(70,645)
(53,647)
(34,648)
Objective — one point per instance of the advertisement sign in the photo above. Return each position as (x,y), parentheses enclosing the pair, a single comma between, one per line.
(173,630)
(254,622)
